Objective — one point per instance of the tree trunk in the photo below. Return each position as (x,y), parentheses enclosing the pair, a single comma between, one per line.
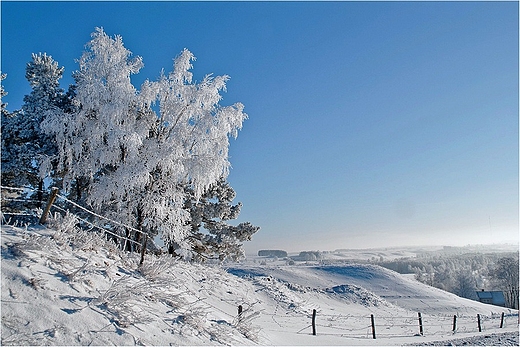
(40,193)
(137,236)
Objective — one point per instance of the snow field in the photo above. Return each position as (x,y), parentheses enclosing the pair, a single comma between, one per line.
(340,322)
(71,287)
(344,310)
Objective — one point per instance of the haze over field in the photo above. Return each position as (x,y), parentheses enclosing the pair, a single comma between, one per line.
(371,124)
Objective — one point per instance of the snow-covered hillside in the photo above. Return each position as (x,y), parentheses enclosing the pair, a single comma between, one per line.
(387,286)
(70,287)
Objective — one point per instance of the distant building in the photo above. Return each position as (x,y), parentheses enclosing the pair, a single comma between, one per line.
(492,297)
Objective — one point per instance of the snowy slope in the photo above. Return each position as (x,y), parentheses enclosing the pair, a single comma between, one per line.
(68,287)
(394,288)
(345,296)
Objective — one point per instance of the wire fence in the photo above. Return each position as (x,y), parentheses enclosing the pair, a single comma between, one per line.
(386,327)
(19,205)
(375,326)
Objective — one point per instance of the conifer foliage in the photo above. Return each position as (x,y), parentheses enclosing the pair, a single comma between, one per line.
(3,93)
(211,237)
(27,152)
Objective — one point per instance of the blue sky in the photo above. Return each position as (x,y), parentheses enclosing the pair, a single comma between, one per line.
(371,124)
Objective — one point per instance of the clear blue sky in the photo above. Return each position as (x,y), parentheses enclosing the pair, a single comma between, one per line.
(370,123)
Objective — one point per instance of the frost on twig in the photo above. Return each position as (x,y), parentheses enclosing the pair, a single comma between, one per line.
(127,299)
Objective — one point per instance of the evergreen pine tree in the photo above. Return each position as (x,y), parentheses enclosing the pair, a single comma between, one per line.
(211,237)
(3,93)
(28,153)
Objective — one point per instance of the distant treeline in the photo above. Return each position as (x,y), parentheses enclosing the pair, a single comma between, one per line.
(272,253)
(464,274)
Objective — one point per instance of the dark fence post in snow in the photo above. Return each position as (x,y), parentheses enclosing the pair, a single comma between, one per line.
(420,324)
(502,321)
(52,197)
(143,248)
(239,317)
(454,322)
(373,326)
(478,322)
(314,322)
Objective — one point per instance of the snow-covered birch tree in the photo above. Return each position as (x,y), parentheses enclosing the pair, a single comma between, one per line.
(506,275)
(137,161)
(104,132)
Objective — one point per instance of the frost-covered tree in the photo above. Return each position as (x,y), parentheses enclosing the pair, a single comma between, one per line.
(137,161)
(6,151)
(464,284)
(3,93)
(27,153)
(211,237)
(506,275)
(103,131)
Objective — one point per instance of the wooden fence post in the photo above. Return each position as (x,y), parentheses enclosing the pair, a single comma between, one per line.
(454,322)
(373,326)
(143,248)
(239,317)
(502,321)
(478,323)
(420,324)
(52,197)
(314,322)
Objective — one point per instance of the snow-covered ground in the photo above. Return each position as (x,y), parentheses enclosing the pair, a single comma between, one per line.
(67,287)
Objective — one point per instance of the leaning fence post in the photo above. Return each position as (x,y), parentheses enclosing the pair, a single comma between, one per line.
(239,317)
(143,248)
(373,326)
(454,322)
(502,321)
(420,324)
(478,323)
(314,322)
(52,197)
